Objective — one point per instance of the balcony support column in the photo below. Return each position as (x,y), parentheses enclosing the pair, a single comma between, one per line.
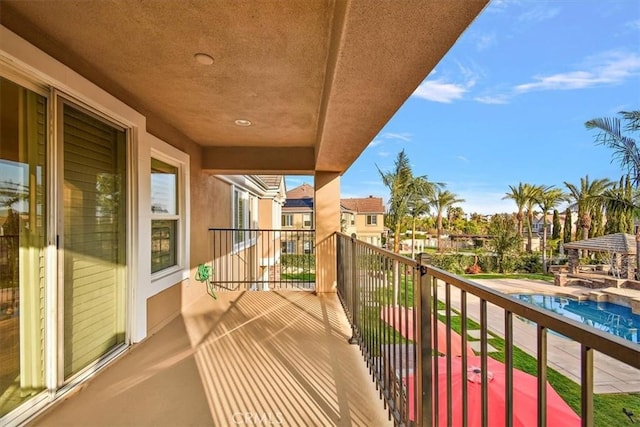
(327,217)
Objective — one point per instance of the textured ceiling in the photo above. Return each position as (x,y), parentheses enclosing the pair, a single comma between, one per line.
(318,79)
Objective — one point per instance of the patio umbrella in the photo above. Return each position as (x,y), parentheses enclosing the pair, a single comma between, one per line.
(525,397)
(401,319)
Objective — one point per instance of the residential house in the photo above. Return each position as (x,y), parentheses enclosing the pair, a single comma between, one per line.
(134,128)
(364,217)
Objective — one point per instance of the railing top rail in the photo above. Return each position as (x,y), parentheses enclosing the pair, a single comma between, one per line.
(614,346)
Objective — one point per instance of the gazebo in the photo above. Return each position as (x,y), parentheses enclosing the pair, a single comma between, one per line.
(620,245)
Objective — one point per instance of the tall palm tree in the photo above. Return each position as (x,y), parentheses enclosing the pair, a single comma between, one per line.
(548,199)
(403,189)
(625,148)
(588,197)
(519,195)
(441,201)
(531,194)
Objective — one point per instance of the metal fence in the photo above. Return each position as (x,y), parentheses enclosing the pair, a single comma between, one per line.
(262,260)
(413,325)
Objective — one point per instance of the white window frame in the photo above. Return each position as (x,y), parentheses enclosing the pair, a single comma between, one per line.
(307,219)
(170,155)
(371,220)
(287,220)
(249,217)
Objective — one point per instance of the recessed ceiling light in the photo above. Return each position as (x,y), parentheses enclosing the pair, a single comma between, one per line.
(203,58)
(243,122)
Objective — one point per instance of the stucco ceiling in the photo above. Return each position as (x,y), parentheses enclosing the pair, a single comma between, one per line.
(318,79)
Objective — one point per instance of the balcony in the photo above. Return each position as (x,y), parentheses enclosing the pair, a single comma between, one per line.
(284,357)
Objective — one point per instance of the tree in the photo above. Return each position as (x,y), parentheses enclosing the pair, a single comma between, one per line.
(588,198)
(617,203)
(441,201)
(547,198)
(612,134)
(404,188)
(505,239)
(417,208)
(519,196)
(532,193)
(557,227)
(625,149)
(568,225)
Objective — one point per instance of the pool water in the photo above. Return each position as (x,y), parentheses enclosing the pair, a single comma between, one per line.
(612,318)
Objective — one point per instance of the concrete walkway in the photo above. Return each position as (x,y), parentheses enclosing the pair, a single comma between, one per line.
(249,358)
(610,376)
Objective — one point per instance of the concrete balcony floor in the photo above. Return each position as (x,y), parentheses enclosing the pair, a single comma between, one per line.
(249,358)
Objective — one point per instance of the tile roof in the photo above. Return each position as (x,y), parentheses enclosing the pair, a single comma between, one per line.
(304,191)
(364,205)
(621,243)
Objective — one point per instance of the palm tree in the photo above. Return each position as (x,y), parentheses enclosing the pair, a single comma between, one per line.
(404,188)
(441,201)
(548,199)
(519,195)
(625,148)
(418,208)
(531,193)
(588,198)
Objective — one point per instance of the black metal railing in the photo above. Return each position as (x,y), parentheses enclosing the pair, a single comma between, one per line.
(412,322)
(261,260)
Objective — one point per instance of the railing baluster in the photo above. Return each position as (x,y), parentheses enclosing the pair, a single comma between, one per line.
(463,315)
(542,375)
(484,378)
(586,389)
(508,362)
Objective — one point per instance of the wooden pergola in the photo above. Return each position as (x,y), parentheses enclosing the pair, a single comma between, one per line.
(621,245)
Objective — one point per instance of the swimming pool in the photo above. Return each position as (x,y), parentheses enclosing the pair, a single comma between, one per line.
(612,318)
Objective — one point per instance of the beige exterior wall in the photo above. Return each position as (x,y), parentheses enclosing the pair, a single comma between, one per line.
(327,207)
(369,233)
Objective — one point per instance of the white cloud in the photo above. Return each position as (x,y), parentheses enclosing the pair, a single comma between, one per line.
(440,91)
(463,159)
(404,136)
(606,69)
(493,99)
(384,153)
(634,25)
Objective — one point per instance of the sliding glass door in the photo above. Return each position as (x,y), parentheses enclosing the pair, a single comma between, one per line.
(93,237)
(62,242)
(23,123)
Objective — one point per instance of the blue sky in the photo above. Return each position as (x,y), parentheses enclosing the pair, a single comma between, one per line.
(509,101)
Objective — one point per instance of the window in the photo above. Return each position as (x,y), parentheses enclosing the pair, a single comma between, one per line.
(287,220)
(306,245)
(165,215)
(288,247)
(372,220)
(245,215)
(307,220)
